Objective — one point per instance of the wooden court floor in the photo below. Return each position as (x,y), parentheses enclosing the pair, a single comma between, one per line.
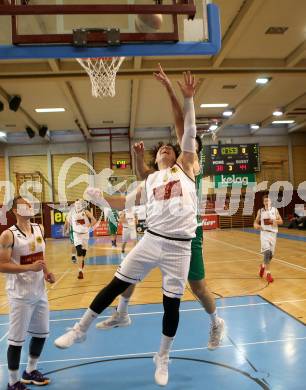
(232,259)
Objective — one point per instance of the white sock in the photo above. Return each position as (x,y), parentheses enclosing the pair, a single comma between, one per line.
(165,345)
(123,305)
(88,317)
(80,269)
(13,377)
(32,364)
(214,318)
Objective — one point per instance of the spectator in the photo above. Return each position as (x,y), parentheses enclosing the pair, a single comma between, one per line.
(299,220)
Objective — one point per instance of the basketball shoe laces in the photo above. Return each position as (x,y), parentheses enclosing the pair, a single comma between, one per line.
(163,364)
(215,333)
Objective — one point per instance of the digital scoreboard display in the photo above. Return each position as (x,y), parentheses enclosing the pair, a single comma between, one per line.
(227,159)
(121,164)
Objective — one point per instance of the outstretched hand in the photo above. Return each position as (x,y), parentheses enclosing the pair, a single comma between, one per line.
(138,149)
(188,88)
(162,77)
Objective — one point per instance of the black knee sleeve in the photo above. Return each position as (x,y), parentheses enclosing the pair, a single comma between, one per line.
(13,357)
(36,346)
(109,293)
(79,250)
(171,315)
(84,251)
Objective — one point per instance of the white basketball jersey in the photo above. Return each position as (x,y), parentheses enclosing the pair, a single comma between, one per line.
(172,203)
(30,285)
(79,221)
(265,215)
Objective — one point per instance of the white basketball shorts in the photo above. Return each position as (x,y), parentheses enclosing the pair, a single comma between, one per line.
(28,318)
(268,241)
(172,257)
(129,234)
(81,239)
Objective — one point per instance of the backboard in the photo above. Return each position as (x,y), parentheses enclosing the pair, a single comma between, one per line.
(49,28)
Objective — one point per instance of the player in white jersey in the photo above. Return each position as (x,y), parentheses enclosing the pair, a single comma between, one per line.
(267,221)
(129,233)
(196,277)
(80,220)
(171,202)
(22,259)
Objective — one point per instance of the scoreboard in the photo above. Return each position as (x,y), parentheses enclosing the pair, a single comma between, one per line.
(121,164)
(226,159)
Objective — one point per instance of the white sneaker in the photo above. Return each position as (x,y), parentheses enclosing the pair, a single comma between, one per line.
(216,334)
(161,372)
(117,320)
(74,335)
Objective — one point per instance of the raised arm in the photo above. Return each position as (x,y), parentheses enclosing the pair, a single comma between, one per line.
(175,104)
(188,145)
(142,169)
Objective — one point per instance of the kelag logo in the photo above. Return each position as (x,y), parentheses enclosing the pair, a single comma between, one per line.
(235,180)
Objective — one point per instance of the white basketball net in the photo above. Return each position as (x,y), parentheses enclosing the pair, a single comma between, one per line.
(102,73)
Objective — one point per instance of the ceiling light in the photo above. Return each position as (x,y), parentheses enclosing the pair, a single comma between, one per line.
(262,80)
(254,126)
(2,134)
(283,122)
(214,105)
(228,113)
(213,127)
(278,112)
(56,109)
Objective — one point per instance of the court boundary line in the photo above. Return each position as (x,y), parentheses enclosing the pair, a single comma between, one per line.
(172,351)
(151,313)
(280,234)
(283,310)
(291,265)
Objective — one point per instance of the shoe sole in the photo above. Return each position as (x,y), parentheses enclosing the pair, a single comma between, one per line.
(160,384)
(221,338)
(31,382)
(114,326)
(60,346)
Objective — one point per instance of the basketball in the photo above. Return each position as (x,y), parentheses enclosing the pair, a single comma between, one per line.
(148,23)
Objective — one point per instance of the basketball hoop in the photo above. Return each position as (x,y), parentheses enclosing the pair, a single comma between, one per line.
(102,72)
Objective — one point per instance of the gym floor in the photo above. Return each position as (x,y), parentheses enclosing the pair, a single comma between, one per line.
(265,343)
